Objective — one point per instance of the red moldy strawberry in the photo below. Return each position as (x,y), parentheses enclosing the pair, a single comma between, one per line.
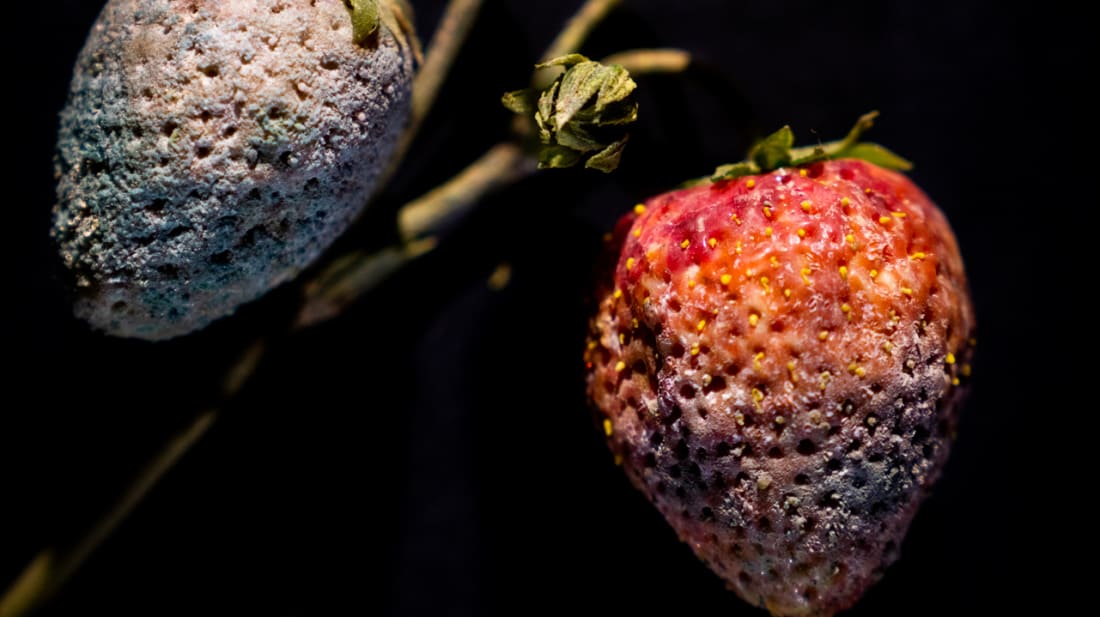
(778,363)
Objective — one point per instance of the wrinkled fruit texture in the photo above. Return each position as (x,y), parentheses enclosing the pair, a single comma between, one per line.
(210,150)
(777,366)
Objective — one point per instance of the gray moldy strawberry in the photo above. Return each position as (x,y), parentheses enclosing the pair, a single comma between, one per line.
(777,360)
(210,150)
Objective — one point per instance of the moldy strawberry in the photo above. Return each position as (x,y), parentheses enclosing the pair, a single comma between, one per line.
(777,360)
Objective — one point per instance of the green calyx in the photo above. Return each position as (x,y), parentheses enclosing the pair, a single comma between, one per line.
(365,19)
(367,16)
(582,116)
(776,150)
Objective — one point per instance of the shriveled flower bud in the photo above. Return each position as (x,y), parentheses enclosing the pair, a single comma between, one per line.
(212,149)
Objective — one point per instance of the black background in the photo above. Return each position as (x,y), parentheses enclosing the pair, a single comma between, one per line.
(431,452)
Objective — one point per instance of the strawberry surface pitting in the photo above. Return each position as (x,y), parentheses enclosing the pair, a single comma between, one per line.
(777,362)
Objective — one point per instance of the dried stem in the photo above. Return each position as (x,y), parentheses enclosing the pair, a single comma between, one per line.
(348,278)
(651,61)
(579,27)
(502,165)
(52,568)
(450,34)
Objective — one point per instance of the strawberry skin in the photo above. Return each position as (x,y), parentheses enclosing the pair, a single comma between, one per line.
(777,362)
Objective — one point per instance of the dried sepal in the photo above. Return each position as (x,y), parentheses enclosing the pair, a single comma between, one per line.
(582,115)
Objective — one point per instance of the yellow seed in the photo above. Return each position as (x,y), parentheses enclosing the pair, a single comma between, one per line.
(955,381)
(691,283)
(867,191)
(950,359)
(753,319)
(622,338)
(735,219)
(620,366)
(764,283)
(801,233)
(592,345)
(917,256)
(850,238)
(757,395)
(790,369)
(860,372)
(695,349)
(686,243)
(786,293)
(768,231)
(806,275)
(634,323)
(713,242)
(756,366)
(707,379)
(767,211)
(965,370)
(726,279)
(823,335)
(607,427)
(844,201)
(638,233)
(618,294)
(802,172)
(780,420)
(629,263)
(750,183)
(898,215)
(844,271)
(907,291)
(702,324)
(888,346)
(874,273)
(884,219)
(737,246)
(825,376)
(807,206)
(618,460)
(639,209)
